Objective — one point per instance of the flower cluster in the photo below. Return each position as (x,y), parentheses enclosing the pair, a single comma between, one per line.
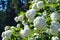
(41,22)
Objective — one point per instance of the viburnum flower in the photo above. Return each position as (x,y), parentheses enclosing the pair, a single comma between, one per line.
(25,32)
(12,27)
(40,4)
(3,34)
(6,28)
(30,14)
(52,1)
(8,33)
(22,33)
(34,6)
(18,25)
(23,22)
(55,23)
(55,38)
(54,28)
(20,18)
(16,19)
(55,16)
(40,23)
(4,38)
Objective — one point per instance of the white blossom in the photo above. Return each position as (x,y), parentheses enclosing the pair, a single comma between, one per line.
(54,28)
(40,23)
(18,25)
(30,14)
(25,32)
(34,6)
(3,34)
(16,19)
(12,27)
(40,4)
(55,23)
(22,33)
(23,22)
(55,16)
(6,28)
(55,38)
(20,18)
(4,38)
(8,33)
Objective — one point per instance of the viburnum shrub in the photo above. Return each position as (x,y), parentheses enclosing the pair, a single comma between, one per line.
(40,22)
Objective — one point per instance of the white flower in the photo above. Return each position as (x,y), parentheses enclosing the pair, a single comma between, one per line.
(30,14)
(23,22)
(4,38)
(52,1)
(40,4)
(55,24)
(55,16)
(20,18)
(16,19)
(55,38)
(36,34)
(6,28)
(18,25)
(40,23)
(34,6)
(8,34)
(3,34)
(54,27)
(22,33)
(35,28)
(25,32)
(12,27)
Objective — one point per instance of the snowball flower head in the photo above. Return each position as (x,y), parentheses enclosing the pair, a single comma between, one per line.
(55,24)
(30,14)
(40,4)
(40,23)
(55,16)
(34,6)
(55,38)
(20,18)
(6,28)
(25,32)
(16,19)
(54,27)
(8,33)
